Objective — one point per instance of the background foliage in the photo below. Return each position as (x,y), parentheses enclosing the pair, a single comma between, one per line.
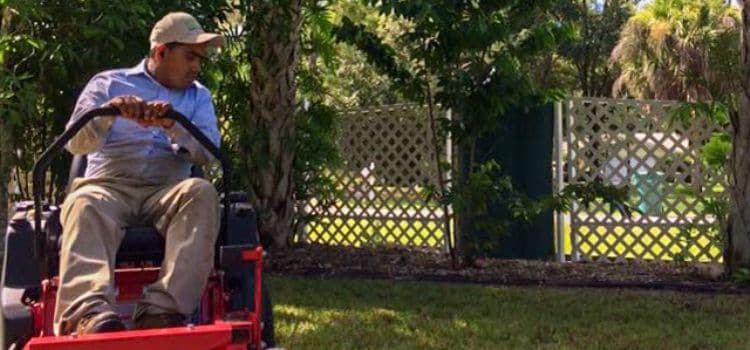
(478,58)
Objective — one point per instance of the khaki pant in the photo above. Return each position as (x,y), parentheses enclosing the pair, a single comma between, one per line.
(93,217)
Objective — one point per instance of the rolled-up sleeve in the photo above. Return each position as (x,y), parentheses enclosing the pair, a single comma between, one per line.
(204,117)
(92,136)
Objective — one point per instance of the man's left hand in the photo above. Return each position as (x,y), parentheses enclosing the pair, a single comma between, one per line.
(155,112)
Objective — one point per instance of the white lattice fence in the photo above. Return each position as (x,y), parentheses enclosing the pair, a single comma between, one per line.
(637,144)
(388,161)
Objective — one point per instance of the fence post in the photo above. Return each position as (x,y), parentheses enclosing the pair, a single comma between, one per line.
(575,253)
(559,177)
(451,230)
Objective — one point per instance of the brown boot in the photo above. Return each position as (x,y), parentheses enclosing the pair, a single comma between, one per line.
(103,322)
(150,321)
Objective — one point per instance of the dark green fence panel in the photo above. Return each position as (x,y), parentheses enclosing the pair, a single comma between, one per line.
(522,146)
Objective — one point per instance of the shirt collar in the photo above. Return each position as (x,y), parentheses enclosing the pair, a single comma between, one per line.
(140,68)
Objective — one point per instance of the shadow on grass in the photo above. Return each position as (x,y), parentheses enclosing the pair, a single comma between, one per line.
(350,314)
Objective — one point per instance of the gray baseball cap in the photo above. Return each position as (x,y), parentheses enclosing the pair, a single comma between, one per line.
(180,27)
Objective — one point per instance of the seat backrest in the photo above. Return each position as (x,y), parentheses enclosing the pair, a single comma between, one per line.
(77,168)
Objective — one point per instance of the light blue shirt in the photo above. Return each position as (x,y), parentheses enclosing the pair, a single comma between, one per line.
(120,148)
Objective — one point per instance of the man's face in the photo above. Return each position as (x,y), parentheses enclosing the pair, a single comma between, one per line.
(180,65)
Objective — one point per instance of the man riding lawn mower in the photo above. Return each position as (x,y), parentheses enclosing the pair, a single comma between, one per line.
(90,284)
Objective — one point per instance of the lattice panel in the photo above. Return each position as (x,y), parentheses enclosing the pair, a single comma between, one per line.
(637,144)
(228,130)
(388,161)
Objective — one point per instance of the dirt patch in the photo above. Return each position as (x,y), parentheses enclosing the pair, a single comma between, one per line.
(419,264)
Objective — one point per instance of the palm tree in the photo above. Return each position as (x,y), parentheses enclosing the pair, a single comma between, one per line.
(678,50)
(738,255)
(6,153)
(6,132)
(269,141)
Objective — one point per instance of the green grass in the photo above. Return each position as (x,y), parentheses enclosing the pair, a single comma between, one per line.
(354,314)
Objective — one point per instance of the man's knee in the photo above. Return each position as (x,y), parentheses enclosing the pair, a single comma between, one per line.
(79,203)
(201,190)
(203,199)
(85,213)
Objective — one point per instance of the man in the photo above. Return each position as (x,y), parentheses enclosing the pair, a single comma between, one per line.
(138,171)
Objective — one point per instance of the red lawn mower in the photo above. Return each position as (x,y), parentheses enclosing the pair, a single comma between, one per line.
(235,310)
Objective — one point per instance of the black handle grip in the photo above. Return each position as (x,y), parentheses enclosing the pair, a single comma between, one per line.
(57,146)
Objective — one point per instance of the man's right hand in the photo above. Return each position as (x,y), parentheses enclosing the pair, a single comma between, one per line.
(131,107)
(141,112)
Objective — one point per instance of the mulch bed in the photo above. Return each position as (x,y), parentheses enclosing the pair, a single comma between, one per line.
(399,263)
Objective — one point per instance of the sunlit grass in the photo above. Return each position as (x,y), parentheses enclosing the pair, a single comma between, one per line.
(358,314)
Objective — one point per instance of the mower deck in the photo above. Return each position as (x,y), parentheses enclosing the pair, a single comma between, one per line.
(218,336)
(243,329)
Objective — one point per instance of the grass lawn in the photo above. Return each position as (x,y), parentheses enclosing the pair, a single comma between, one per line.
(357,314)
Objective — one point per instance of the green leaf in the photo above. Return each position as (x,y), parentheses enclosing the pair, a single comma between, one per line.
(716,152)
(35,43)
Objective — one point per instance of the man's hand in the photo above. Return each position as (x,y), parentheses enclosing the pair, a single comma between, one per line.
(145,114)
(155,112)
(131,107)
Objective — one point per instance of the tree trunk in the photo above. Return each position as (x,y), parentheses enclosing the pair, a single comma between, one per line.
(6,149)
(738,236)
(5,160)
(274,50)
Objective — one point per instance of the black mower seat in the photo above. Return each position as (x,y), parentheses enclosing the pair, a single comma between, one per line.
(141,243)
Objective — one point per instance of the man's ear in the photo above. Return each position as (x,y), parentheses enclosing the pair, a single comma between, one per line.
(159,52)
